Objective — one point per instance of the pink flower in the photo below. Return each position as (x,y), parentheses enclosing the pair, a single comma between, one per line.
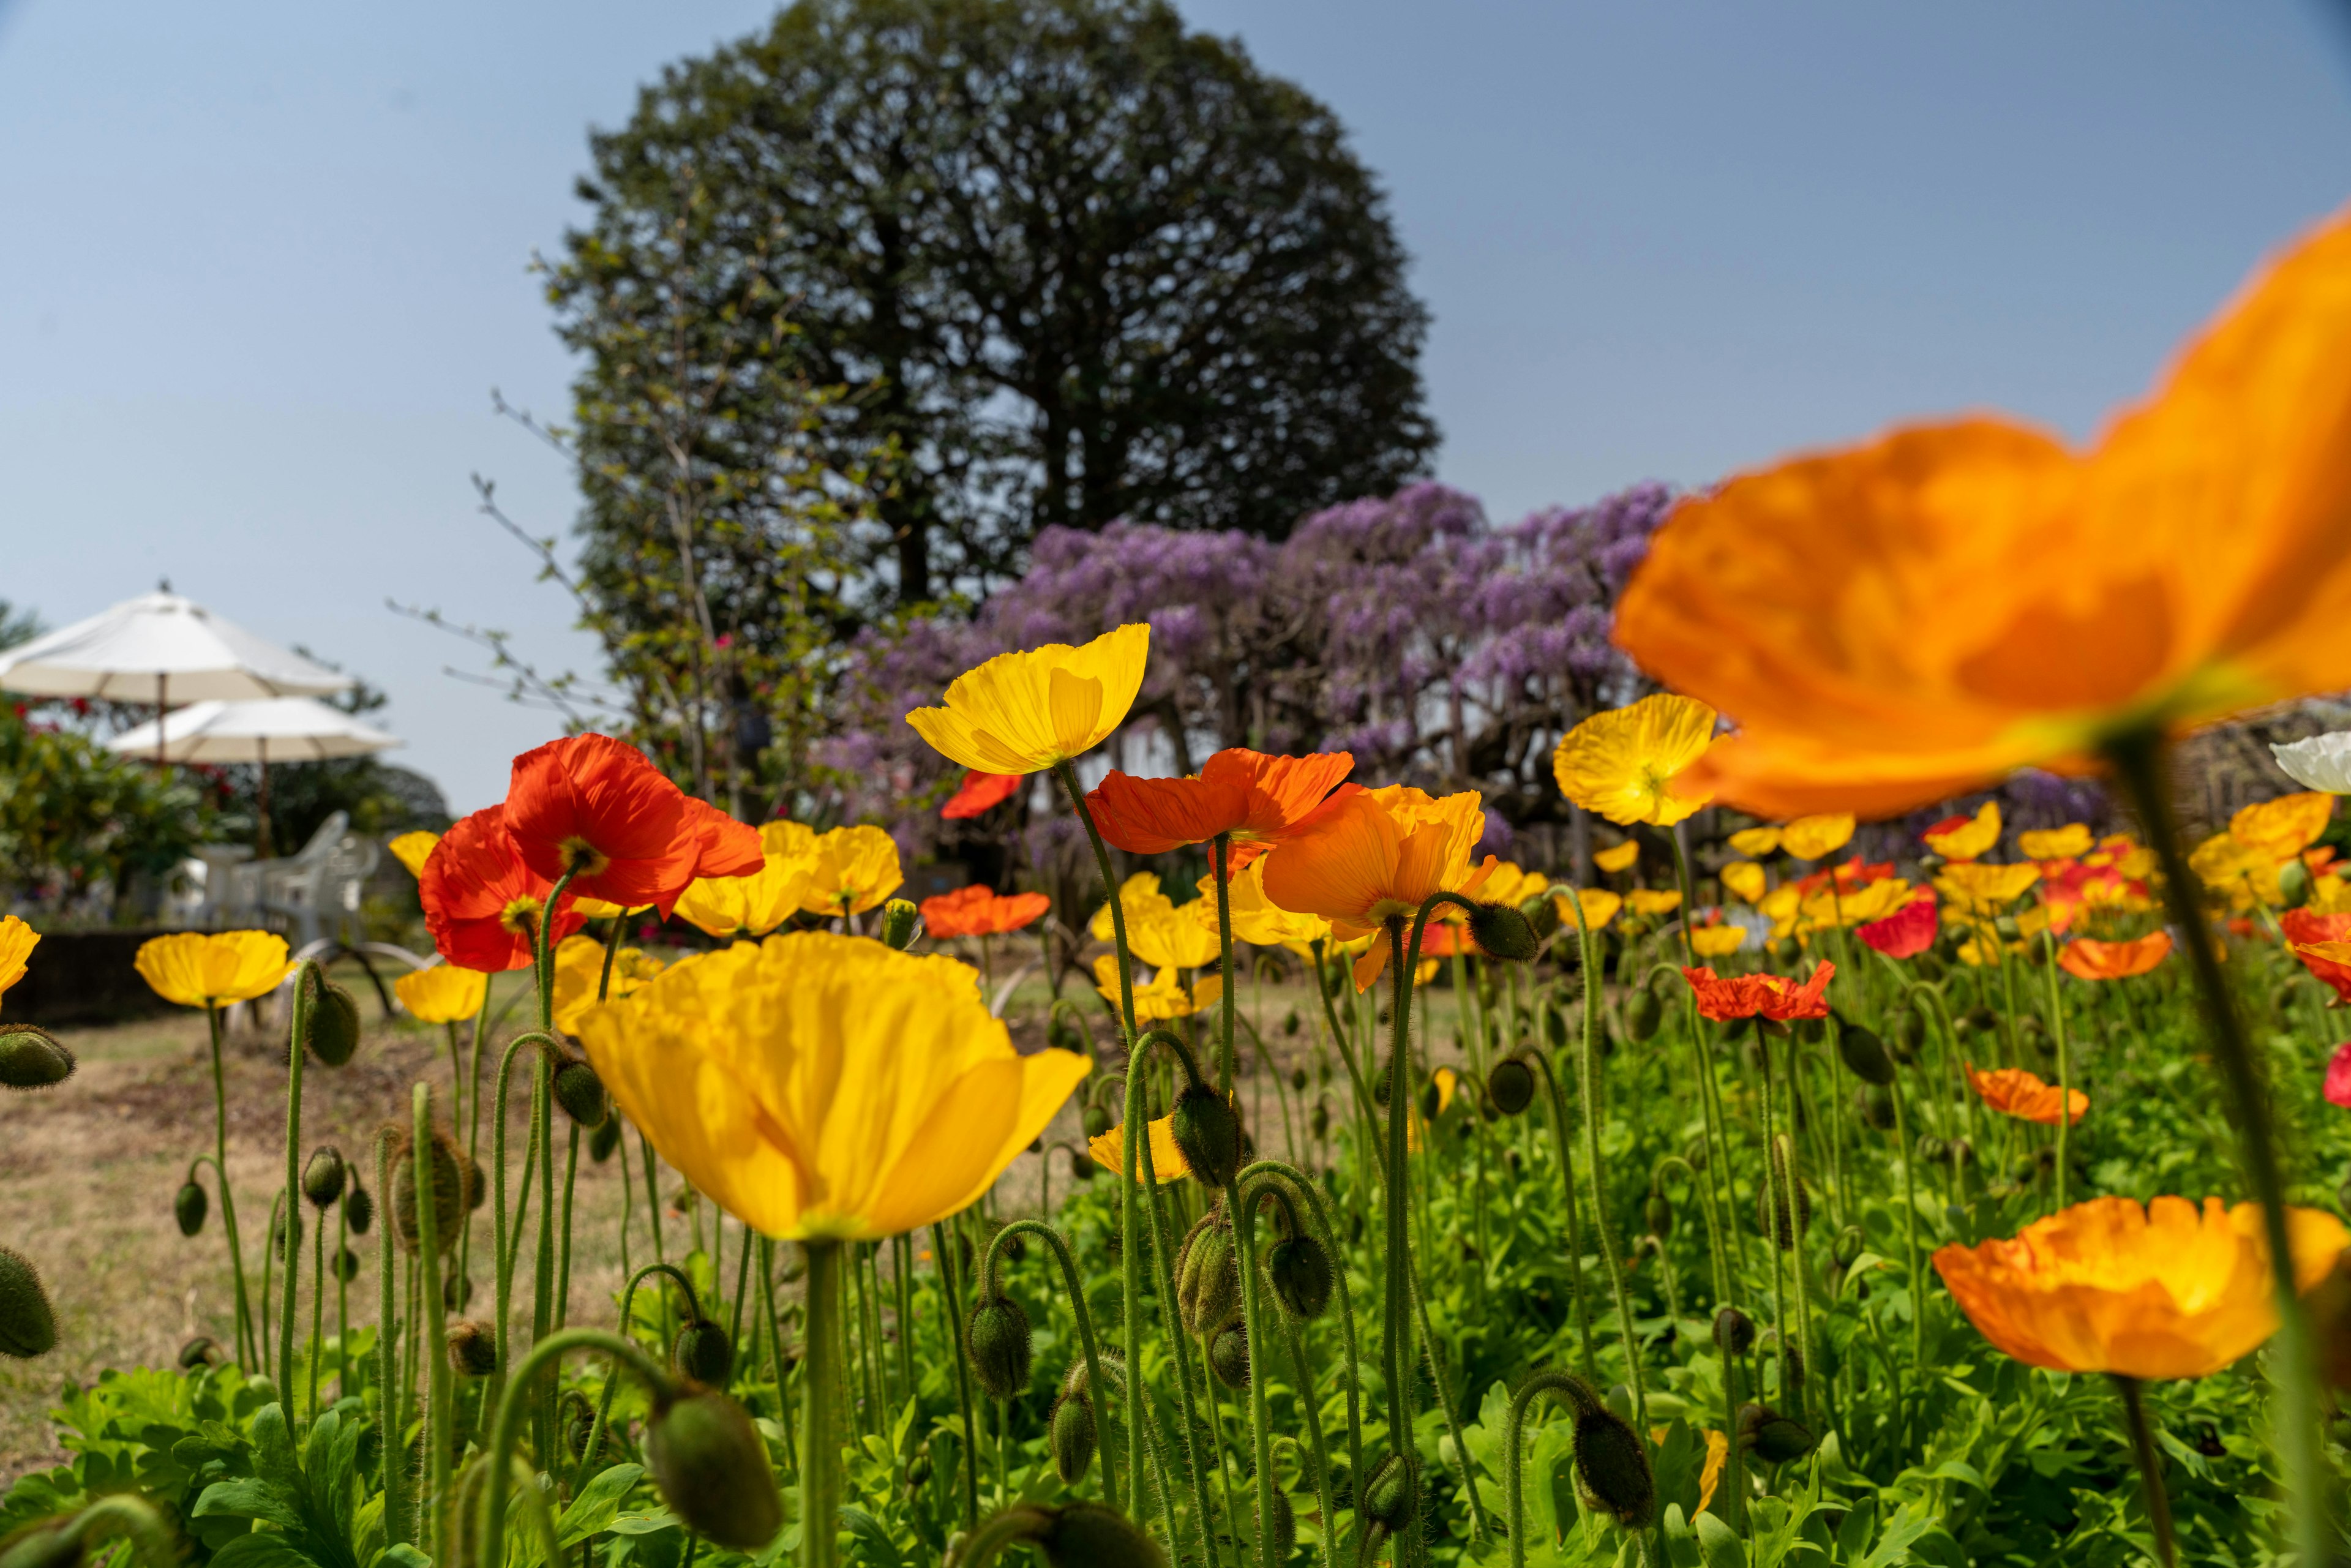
(2338,1077)
(1905,934)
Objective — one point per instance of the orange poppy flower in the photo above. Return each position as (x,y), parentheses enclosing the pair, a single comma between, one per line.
(1253,797)
(723,846)
(2330,962)
(2162,1291)
(483,900)
(978,794)
(2014,1091)
(977,911)
(1366,856)
(594,805)
(1918,616)
(2302,925)
(2088,959)
(1773,997)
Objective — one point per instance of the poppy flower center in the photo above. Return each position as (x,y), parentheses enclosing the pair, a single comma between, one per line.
(520,916)
(582,857)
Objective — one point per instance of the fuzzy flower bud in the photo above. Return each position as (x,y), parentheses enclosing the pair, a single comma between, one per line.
(1072,1430)
(27,1327)
(474,1348)
(582,1094)
(32,1059)
(604,1139)
(323,1177)
(712,1469)
(1865,1055)
(704,1353)
(1093,1535)
(1512,1084)
(1002,1350)
(1734,1331)
(450,1189)
(189,1206)
(1208,1135)
(898,923)
(1644,1015)
(333,1036)
(359,1210)
(1771,1437)
(1612,1469)
(1299,1269)
(1502,932)
(1229,1355)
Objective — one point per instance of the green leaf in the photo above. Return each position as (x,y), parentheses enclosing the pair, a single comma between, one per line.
(264,1549)
(598,1502)
(1718,1545)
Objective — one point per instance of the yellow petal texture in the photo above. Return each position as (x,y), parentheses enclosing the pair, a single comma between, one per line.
(1164,998)
(786,837)
(580,969)
(1168,1162)
(1654,901)
(1182,936)
(1600,905)
(1971,839)
(1024,712)
(1621,763)
(1755,841)
(200,969)
(1986,889)
(1618,857)
(1745,880)
(1139,899)
(17,941)
(749,906)
(1810,838)
(850,870)
(1512,883)
(2285,826)
(443,994)
(822,1086)
(410,850)
(2067,842)
(1257,919)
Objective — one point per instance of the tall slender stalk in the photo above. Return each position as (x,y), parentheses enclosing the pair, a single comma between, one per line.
(1058,1245)
(248,1347)
(390,1420)
(1588,1094)
(437,1415)
(821,1395)
(943,1242)
(2150,1468)
(308,981)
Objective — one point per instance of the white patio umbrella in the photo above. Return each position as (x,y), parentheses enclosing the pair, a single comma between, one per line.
(271,730)
(157,647)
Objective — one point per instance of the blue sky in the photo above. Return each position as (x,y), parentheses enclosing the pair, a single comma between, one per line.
(264,262)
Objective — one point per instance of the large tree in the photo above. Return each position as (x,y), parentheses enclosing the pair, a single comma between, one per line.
(1066,261)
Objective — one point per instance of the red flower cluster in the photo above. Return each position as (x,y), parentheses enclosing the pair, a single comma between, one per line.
(1772,997)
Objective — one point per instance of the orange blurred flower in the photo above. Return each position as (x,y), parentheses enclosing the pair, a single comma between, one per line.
(1252,795)
(1965,838)
(2162,1291)
(2087,959)
(977,793)
(2284,827)
(2330,962)
(1921,615)
(2302,925)
(1367,856)
(2014,1091)
(483,901)
(1905,934)
(1773,997)
(977,911)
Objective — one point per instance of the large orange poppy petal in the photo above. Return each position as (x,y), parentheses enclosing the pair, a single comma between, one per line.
(1152,816)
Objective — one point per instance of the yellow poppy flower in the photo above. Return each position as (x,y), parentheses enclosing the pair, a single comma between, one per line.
(785,837)
(1979,889)
(1023,713)
(1983,951)
(201,969)
(1654,901)
(1965,838)
(2069,842)
(2285,826)
(749,906)
(1167,1164)
(1512,883)
(2329,895)
(850,870)
(580,969)
(1822,911)
(1257,919)
(823,1087)
(1163,997)
(443,993)
(1139,899)
(1755,842)
(1617,857)
(1600,907)
(597,909)
(1745,880)
(410,849)
(17,941)
(2238,872)
(1810,838)
(1716,941)
(1623,763)
(1182,936)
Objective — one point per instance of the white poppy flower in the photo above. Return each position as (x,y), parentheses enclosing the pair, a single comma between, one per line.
(2322,762)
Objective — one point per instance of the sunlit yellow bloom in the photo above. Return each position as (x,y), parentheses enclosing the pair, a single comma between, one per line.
(17,941)
(1512,883)
(2329,895)
(1184,938)
(1025,712)
(1810,838)
(1164,997)
(2068,843)
(1617,857)
(2238,872)
(1168,1163)
(580,969)
(1977,889)
(1824,910)
(1654,901)
(850,870)
(1967,838)
(597,909)
(1621,763)
(749,906)
(1745,880)
(1756,841)
(822,1086)
(2285,826)
(1139,899)
(1600,907)
(410,850)
(443,993)
(1257,919)
(1716,941)
(1783,904)
(197,969)
(1982,951)
(785,837)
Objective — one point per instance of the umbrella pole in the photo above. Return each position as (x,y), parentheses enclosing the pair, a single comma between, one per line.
(162,707)
(261,845)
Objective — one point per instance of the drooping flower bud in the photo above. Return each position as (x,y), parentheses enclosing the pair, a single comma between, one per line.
(30,1058)
(1299,1269)
(704,1352)
(1207,1277)
(1909,1036)
(1771,1437)
(1612,1469)
(189,1206)
(1933,1151)
(898,923)
(1207,1133)
(333,1036)
(1093,1535)
(1318,1122)
(347,1266)
(582,1094)
(1512,1084)
(199,1352)
(712,1469)
(1864,1054)
(1072,1429)
(474,1348)
(286,1232)
(1096,1122)
(1002,1350)
(1644,1015)
(1290,1027)
(1502,932)
(1658,1214)
(1849,1245)
(1734,1331)
(1082,1165)
(604,1139)
(2294,882)
(27,1327)
(323,1177)
(1387,1493)
(450,1189)
(1229,1355)
(1542,916)
(359,1210)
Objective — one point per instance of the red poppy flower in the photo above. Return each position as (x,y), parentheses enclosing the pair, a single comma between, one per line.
(2338,1077)
(1905,934)
(2014,1091)
(975,911)
(591,804)
(481,901)
(2087,958)
(2330,961)
(1773,997)
(979,791)
(725,847)
(2302,925)
(1442,939)
(1255,797)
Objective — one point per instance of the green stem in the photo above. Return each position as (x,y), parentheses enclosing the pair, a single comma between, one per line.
(248,1348)
(1253,1326)
(1072,1281)
(498,1477)
(2064,1064)
(308,981)
(1594,1109)
(437,1422)
(2150,1466)
(821,1395)
(390,1417)
(1557,1108)
(943,1242)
